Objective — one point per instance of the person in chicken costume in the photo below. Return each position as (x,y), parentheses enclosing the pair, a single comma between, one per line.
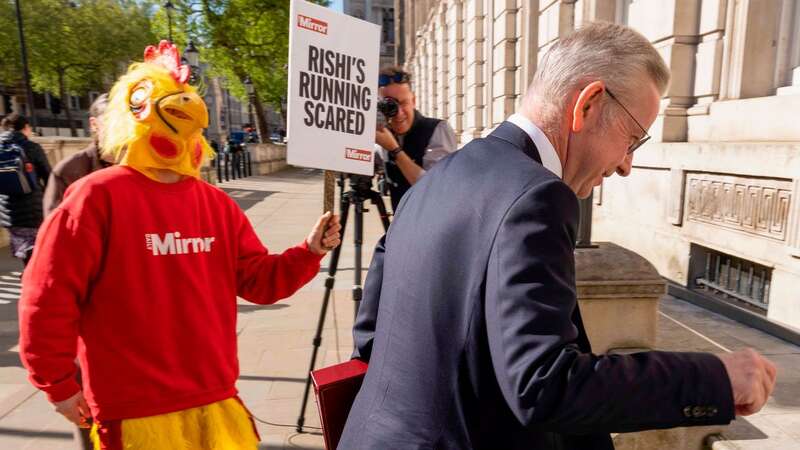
(137,273)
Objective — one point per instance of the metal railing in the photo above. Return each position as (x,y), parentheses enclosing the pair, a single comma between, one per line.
(231,166)
(731,277)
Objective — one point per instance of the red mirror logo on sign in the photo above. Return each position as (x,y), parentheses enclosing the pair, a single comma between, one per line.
(310,23)
(358,155)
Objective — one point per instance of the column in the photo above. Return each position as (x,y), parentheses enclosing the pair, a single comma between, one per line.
(454,18)
(474,39)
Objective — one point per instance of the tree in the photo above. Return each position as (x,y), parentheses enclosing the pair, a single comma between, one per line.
(11,68)
(82,47)
(241,39)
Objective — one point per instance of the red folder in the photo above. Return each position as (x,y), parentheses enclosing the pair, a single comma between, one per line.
(335,388)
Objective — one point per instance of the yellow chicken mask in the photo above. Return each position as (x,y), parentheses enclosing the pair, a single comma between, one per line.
(156,117)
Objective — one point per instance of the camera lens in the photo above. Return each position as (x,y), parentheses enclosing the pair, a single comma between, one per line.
(388,106)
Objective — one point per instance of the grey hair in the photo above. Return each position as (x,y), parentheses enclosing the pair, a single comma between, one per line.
(98,106)
(615,54)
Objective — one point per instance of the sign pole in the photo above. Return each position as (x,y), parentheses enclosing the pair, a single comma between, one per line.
(329,191)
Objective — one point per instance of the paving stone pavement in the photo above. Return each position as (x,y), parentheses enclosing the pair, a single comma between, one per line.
(275,341)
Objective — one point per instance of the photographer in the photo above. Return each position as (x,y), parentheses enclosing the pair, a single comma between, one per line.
(411,142)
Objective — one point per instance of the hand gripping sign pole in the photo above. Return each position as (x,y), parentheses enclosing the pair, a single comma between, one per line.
(333,74)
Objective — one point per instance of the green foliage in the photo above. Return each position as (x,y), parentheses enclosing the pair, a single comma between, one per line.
(245,38)
(160,23)
(11,66)
(87,42)
(90,43)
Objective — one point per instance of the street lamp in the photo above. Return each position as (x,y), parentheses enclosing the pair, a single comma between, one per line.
(25,72)
(248,87)
(192,55)
(169,7)
(192,58)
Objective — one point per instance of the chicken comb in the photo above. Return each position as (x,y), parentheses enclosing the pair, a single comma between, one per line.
(168,57)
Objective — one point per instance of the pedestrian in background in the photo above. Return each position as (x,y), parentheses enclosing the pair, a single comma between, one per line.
(21,214)
(74,167)
(235,151)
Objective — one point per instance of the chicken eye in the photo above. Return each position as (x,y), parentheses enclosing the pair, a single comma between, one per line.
(141,93)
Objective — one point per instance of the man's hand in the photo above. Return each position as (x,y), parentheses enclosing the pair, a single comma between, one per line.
(385,139)
(324,237)
(75,410)
(752,379)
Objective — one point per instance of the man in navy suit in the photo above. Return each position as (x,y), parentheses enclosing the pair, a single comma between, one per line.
(469,318)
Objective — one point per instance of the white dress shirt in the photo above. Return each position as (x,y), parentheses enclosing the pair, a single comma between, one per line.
(547,152)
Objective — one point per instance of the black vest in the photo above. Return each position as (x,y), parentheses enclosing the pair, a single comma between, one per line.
(415,142)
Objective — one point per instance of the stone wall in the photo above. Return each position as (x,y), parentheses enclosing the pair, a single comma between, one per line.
(58,148)
(267,158)
(723,167)
(736,198)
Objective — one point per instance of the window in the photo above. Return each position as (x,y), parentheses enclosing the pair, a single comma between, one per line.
(729,278)
(48,100)
(388,25)
(5,104)
(787,68)
(40,101)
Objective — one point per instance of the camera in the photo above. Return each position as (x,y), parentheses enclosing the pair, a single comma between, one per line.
(388,107)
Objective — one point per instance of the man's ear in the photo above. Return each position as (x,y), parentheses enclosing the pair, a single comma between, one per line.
(93,124)
(587,105)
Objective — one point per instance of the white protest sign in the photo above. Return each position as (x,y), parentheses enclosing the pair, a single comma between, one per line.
(333,79)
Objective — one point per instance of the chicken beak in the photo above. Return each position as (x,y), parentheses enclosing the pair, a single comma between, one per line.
(185,111)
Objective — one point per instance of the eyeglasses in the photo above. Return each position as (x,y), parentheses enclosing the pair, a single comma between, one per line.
(641,141)
(397,77)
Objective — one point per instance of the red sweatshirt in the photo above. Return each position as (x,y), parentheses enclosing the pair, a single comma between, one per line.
(140,278)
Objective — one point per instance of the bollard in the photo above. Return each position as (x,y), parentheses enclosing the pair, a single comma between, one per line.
(249,163)
(227,167)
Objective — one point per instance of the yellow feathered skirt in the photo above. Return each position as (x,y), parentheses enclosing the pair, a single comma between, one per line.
(224,425)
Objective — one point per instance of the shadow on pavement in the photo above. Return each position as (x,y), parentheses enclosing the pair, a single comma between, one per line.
(740,429)
(246,199)
(36,433)
(256,308)
(263,378)
(7,357)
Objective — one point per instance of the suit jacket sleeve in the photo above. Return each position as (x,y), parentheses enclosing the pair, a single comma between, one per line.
(364,328)
(546,380)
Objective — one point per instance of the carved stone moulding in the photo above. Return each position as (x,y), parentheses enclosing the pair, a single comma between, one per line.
(758,206)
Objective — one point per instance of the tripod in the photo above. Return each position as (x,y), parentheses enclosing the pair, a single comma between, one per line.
(360,190)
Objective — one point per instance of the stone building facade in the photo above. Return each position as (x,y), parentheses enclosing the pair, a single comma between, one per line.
(712,201)
(379,12)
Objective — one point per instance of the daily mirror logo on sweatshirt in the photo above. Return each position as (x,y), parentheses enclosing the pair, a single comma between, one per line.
(174,244)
